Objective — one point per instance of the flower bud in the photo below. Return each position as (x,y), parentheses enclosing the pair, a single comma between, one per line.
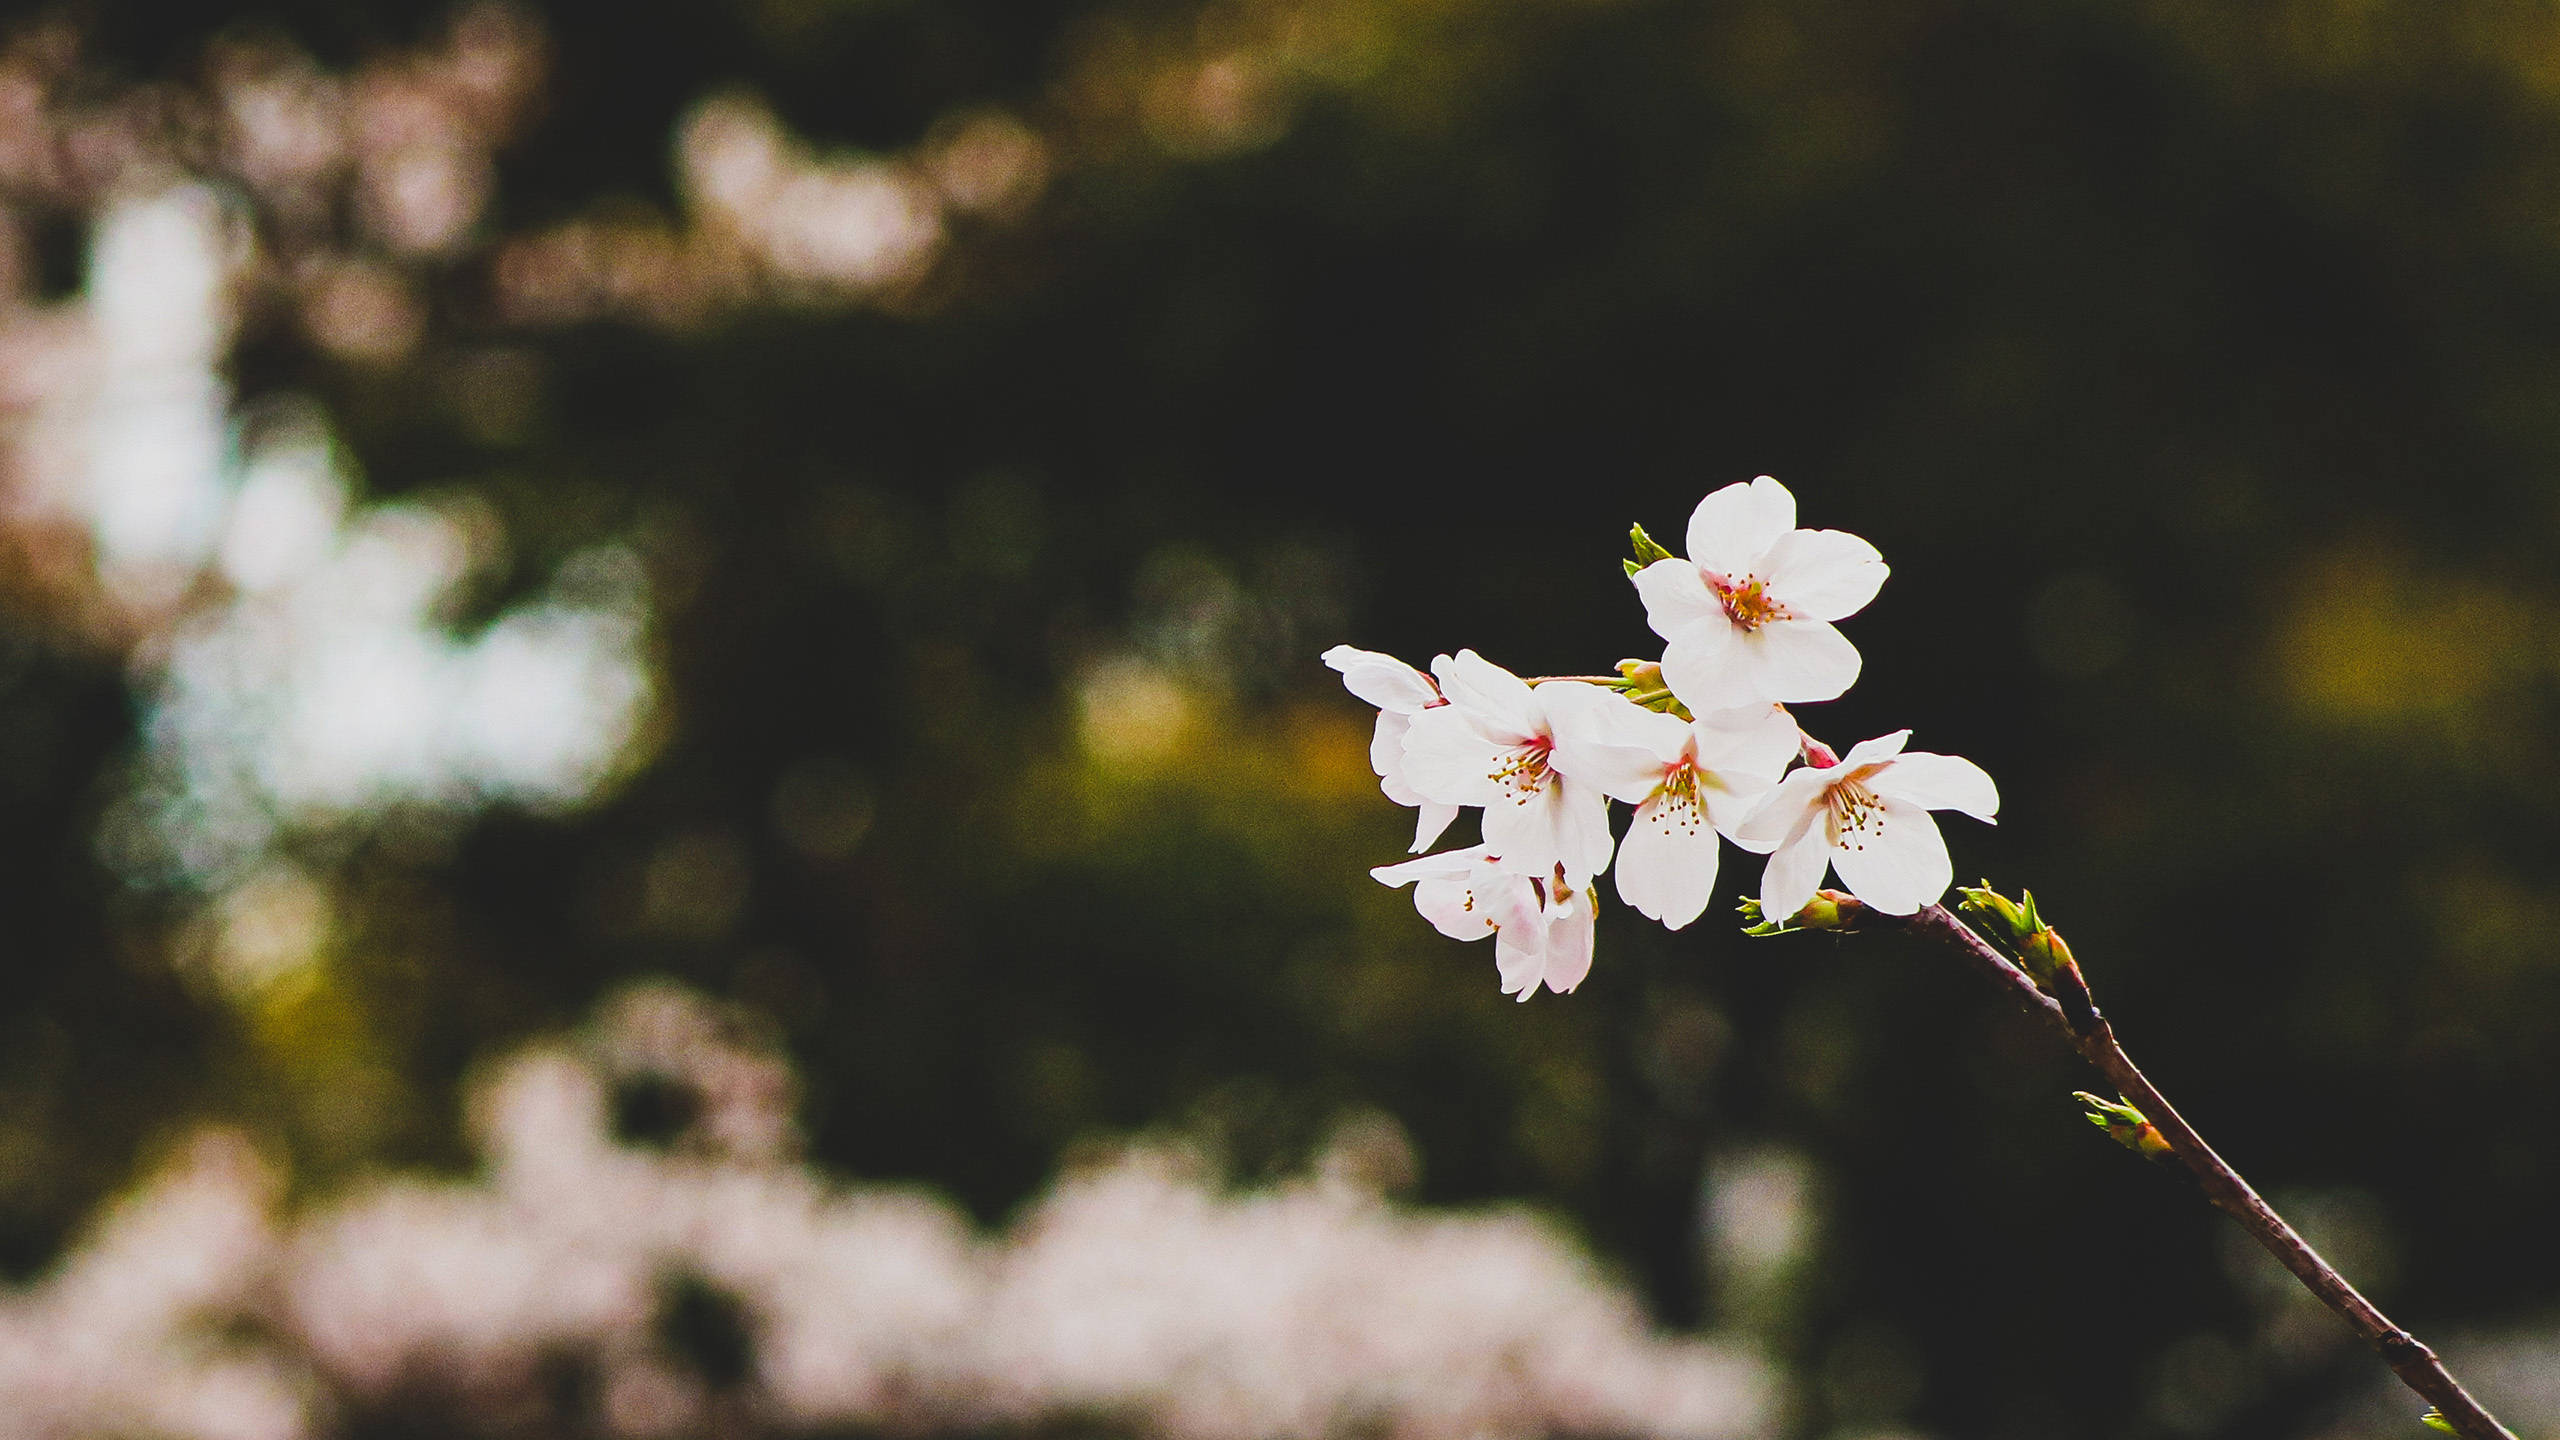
(2046,955)
(1647,548)
(2129,1127)
(1827,910)
(2040,947)
(1642,683)
(1983,900)
(1641,674)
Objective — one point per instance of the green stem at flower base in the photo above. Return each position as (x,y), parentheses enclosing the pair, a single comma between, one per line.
(2087,1030)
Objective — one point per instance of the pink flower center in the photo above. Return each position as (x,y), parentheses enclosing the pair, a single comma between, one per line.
(1524,770)
(1676,803)
(1748,601)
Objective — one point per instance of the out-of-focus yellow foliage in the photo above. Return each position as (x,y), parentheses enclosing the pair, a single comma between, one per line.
(2372,41)
(2372,638)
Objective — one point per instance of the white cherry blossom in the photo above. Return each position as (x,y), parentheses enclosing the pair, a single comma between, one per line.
(1542,925)
(1867,818)
(1400,692)
(1495,744)
(1747,616)
(1556,951)
(1690,780)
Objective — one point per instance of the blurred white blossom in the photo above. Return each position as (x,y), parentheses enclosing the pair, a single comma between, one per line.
(328,687)
(1136,1289)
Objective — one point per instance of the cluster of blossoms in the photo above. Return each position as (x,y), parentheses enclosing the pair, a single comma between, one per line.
(705,1280)
(1699,743)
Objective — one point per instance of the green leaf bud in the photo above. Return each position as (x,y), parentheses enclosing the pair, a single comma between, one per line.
(1647,549)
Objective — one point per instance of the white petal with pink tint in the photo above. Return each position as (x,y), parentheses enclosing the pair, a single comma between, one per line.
(1674,595)
(1463,893)
(1787,660)
(1733,527)
(1794,873)
(1382,680)
(1400,692)
(1746,617)
(1667,863)
(1823,574)
(1901,862)
(1941,782)
(1867,818)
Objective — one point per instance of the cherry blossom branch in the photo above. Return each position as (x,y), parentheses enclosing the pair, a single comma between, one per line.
(2069,1007)
(1700,743)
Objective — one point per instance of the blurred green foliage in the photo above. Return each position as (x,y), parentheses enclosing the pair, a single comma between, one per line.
(2196,366)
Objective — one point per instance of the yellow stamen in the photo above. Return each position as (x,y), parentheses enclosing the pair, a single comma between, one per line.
(1677,802)
(1523,772)
(1853,813)
(1748,601)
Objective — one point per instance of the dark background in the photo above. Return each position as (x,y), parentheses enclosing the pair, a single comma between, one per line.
(2196,367)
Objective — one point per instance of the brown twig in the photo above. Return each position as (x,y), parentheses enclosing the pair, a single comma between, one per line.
(2089,1033)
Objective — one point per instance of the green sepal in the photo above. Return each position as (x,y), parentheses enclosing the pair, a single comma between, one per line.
(1983,900)
(1760,926)
(1647,549)
(2434,1420)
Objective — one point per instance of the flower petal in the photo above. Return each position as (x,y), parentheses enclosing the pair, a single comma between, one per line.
(1560,705)
(1733,527)
(1730,797)
(1621,772)
(1793,874)
(1902,863)
(1616,746)
(1499,700)
(1587,841)
(1869,752)
(1623,722)
(1823,574)
(1571,931)
(1758,741)
(1940,782)
(1785,812)
(1450,905)
(1704,666)
(1523,830)
(1382,680)
(1463,895)
(1386,756)
(1675,595)
(1667,864)
(1447,865)
(1430,822)
(1790,660)
(1447,759)
(1559,823)
(1520,958)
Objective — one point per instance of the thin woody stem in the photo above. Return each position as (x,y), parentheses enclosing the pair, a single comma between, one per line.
(2077,1016)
